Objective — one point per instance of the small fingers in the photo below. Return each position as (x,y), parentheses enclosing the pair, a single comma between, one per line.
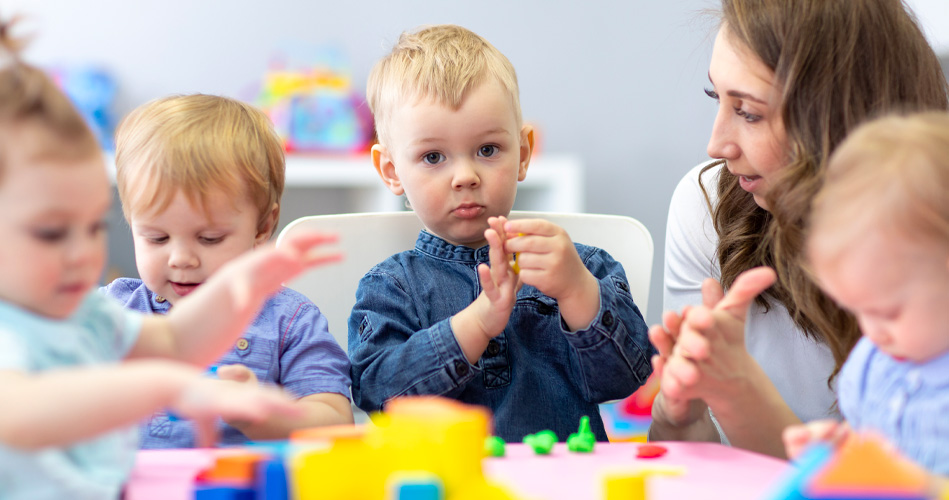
(662,340)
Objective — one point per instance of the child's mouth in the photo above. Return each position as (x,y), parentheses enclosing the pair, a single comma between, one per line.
(182,289)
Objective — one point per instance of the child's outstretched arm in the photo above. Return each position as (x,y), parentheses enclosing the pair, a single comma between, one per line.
(798,437)
(206,323)
(61,407)
(315,410)
(486,317)
(548,261)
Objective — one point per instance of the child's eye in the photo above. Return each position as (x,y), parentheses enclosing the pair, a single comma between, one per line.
(50,235)
(750,118)
(99,227)
(433,158)
(488,150)
(711,93)
(211,241)
(158,240)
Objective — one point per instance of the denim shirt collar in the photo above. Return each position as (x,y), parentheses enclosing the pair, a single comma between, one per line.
(430,244)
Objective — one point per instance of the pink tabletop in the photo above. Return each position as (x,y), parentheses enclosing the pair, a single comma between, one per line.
(709,471)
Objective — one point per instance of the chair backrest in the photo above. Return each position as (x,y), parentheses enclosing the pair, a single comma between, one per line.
(369,238)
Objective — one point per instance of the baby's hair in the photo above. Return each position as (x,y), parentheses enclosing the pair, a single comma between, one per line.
(29,98)
(891,174)
(198,143)
(441,63)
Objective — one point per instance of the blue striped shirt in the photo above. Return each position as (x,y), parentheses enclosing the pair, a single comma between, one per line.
(906,402)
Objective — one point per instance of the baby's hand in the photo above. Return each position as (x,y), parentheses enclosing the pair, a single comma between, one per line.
(205,399)
(498,282)
(548,260)
(237,373)
(799,437)
(546,257)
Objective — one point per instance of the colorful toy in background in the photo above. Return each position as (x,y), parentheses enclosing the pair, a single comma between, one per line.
(864,467)
(628,419)
(92,91)
(313,105)
(421,448)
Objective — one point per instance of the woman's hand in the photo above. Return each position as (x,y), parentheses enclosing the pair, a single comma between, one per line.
(709,360)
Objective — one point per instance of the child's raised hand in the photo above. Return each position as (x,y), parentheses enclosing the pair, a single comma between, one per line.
(205,399)
(798,437)
(268,267)
(499,282)
(548,261)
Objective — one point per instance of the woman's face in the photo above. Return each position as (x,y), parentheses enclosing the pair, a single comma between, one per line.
(748,132)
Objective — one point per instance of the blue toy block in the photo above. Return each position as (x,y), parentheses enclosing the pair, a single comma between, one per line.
(271,480)
(421,488)
(218,492)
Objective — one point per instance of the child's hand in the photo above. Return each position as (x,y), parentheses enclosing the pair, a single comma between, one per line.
(266,268)
(798,437)
(205,399)
(548,260)
(498,282)
(237,373)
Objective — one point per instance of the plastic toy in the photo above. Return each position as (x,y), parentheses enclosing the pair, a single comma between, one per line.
(493,446)
(541,442)
(313,106)
(437,436)
(862,468)
(629,419)
(631,484)
(583,440)
(650,451)
(418,486)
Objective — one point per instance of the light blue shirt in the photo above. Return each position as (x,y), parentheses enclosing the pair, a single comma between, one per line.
(905,402)
(99,331)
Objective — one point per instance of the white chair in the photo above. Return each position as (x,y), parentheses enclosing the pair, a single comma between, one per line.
(369,238)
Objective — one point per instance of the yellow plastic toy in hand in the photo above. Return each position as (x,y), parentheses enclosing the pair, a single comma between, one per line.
(514,267)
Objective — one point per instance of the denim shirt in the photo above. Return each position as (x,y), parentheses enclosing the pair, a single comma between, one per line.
(288,344)
(903,401)
(535,375)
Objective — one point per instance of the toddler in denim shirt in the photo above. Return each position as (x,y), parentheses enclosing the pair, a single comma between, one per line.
(200,178)
(541,346)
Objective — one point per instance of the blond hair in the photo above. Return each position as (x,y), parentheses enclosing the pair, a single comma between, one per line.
(838,64)
(891,174)
(441,63)
(195,144)
(29,98)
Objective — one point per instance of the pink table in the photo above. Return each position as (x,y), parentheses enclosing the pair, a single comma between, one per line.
(711,471)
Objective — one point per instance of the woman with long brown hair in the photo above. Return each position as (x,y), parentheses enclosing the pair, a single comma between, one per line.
(791,78)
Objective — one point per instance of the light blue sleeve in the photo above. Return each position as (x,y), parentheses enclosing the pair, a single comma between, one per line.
(117,326)
(13,354)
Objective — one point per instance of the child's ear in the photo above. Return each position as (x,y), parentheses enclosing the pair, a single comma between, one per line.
(265,230)
(386,169)
(527,145)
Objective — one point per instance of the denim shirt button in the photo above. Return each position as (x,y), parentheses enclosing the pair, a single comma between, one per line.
(461,368)
(493,348)
(607,319)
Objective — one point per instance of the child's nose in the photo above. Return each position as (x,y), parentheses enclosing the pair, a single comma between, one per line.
(465,176)
(182,257)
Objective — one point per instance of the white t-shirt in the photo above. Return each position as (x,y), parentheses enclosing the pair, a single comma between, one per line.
(796,365)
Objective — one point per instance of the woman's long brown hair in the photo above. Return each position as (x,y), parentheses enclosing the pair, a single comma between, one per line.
(838,64)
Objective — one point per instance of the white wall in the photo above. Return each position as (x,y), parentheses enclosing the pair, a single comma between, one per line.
(617,82)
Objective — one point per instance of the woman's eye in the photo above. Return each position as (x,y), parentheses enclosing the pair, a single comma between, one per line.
(711,93)
(488,150)
(750,118)
(433,158)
